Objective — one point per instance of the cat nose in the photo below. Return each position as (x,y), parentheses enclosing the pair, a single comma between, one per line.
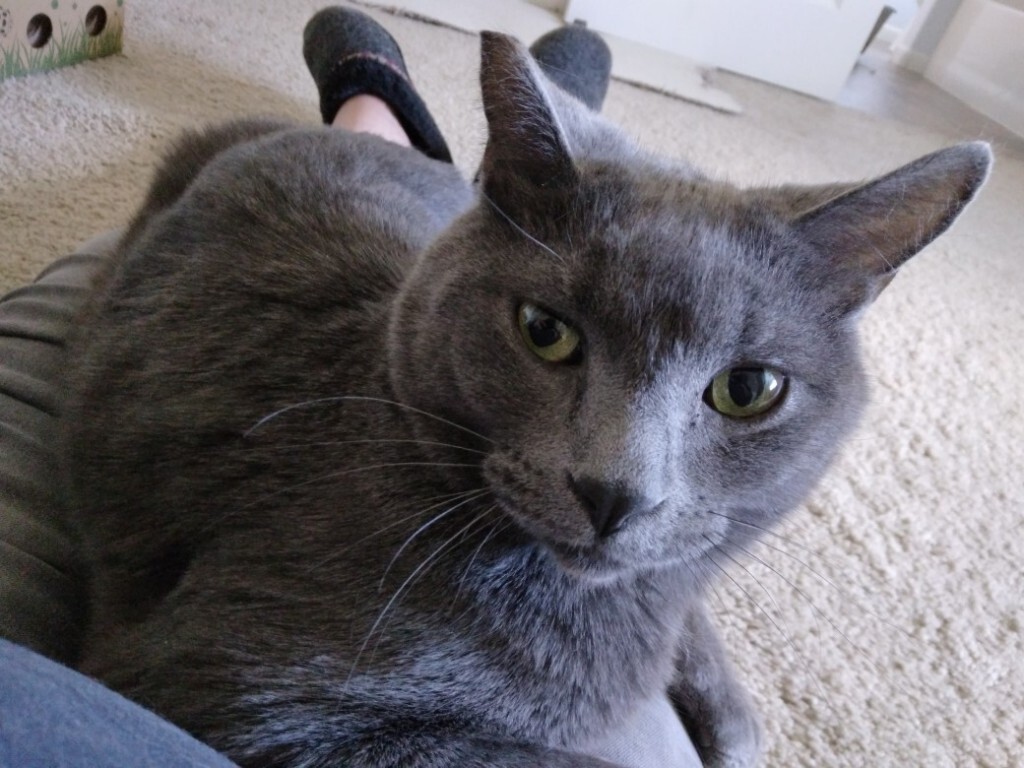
(608,504)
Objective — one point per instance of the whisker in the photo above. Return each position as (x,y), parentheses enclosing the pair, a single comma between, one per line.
(839,589)
(442,500)
(330,443)
(329,476)
(878,668)
(458,537)
(747,571)
(356,470)
(358,398)
(435,519)
(750,597)
(816,573)
(705,581)
(519,229)
(767,615)
(498,527)
(408,582)
(791,542)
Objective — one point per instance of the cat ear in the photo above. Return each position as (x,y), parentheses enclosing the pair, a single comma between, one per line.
(869,231)
(791,200)
(527,152)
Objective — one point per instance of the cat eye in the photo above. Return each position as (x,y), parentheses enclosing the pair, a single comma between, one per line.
(742,393)
(548,337)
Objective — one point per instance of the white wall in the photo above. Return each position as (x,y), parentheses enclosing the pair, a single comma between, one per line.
(980,59)
(806,45)
(906,12)
(914,49)
(558,6)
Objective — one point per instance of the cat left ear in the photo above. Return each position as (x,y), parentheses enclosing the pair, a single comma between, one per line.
(868,232)
(527,152)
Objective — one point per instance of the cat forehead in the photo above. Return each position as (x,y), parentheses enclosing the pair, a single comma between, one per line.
(650,282)
(672,206)
(649,257)
(696,270)
(688,245)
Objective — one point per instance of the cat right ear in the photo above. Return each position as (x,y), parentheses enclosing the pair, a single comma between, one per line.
(527,152)
(864,232)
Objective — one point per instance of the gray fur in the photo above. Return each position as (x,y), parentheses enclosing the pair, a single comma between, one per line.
(258,512)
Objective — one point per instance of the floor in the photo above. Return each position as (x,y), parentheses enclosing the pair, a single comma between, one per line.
(876,85)
(879,87)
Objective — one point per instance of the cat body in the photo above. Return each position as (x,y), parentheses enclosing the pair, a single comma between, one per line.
(188,589)
(338,506)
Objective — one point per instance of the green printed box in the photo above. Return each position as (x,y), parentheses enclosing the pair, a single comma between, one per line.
(37,35)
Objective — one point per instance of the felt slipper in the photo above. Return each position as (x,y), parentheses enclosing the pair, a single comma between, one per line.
(348,54)
(577,61)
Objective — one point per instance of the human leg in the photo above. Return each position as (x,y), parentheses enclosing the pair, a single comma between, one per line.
(364,86)
(364,113)
(51,715)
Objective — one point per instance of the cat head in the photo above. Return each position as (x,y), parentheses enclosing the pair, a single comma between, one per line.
(658,364)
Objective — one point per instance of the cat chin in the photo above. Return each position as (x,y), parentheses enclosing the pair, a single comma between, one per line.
(596,565)
(601,562)
(593,563)
(589,566)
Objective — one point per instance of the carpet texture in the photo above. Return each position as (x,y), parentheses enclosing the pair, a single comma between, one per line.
(886,626)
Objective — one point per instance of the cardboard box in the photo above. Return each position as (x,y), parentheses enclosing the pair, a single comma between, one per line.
(36,35)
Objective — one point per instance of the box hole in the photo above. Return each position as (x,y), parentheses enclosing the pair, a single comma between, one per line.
(39,31)
(95,20)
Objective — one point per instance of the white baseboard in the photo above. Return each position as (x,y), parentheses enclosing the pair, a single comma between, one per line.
(908,58)
(981,94)
(888,35)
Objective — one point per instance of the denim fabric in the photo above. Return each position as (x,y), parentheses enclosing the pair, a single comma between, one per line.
(53,717)
(652,737)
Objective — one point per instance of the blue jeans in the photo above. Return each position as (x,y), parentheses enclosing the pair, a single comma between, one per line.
(53,717)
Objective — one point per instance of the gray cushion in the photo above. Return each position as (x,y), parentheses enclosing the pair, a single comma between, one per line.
(41,586)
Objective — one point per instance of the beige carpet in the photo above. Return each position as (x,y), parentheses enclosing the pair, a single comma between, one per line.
(895,636)
(526,19)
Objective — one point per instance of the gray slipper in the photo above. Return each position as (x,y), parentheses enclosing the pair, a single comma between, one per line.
(348,54)
(577,61)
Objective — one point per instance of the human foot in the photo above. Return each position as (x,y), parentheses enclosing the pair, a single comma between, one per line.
(350,56)
(577,60)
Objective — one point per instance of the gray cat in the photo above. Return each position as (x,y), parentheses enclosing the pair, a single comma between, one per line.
(377,469)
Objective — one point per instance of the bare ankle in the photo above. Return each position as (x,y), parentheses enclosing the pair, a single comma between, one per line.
(369,114)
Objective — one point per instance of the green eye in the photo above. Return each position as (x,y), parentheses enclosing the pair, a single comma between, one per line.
(745,392)
(547,336)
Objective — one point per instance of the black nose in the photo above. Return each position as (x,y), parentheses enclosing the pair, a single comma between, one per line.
(608,504)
